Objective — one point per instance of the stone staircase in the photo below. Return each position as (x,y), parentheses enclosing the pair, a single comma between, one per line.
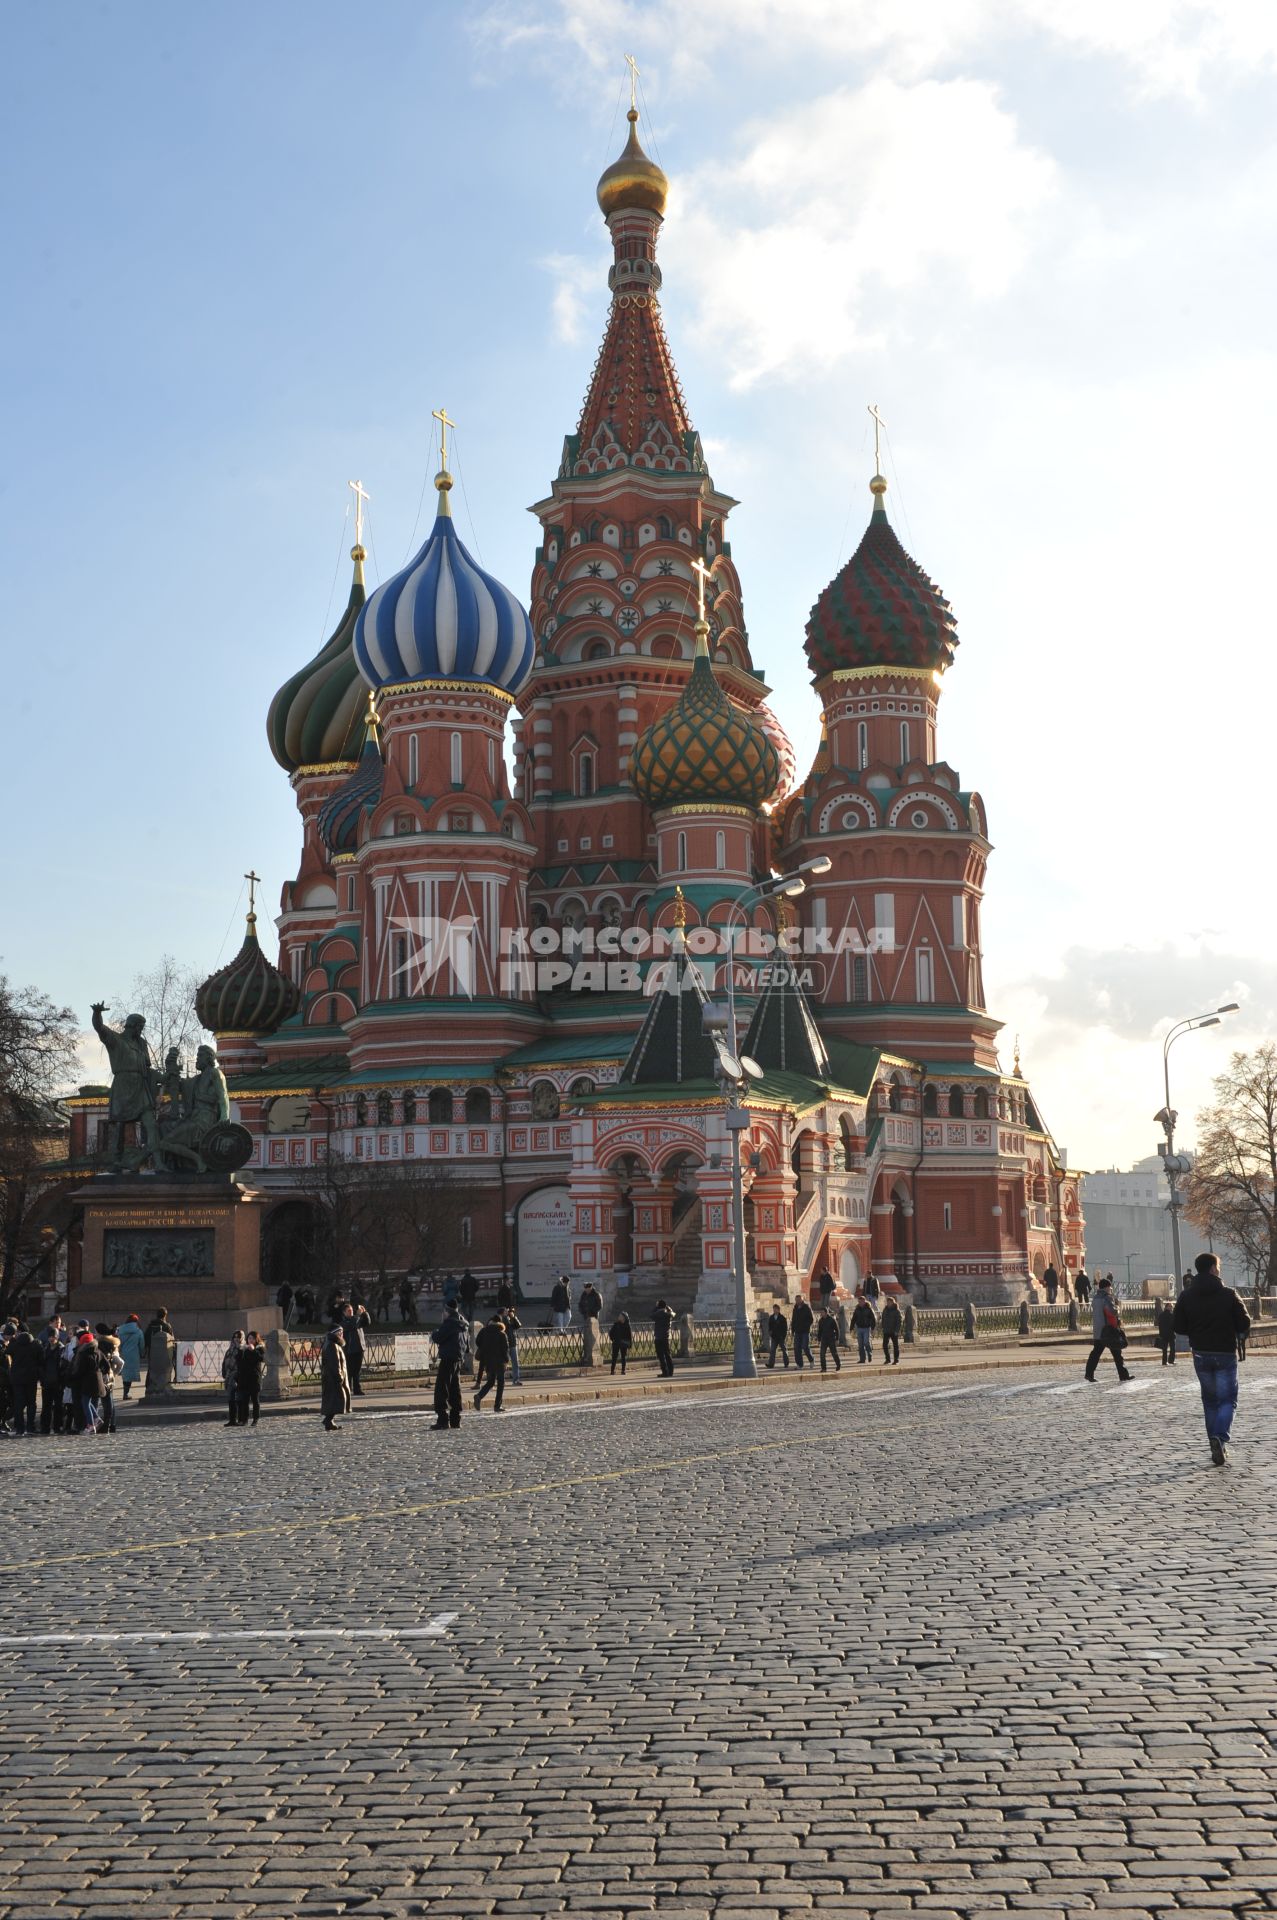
(675,1284)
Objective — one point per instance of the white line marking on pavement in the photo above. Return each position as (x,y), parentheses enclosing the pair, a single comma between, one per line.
(433,1630)
(956,1393)
(1076,1387)
(1004,1393)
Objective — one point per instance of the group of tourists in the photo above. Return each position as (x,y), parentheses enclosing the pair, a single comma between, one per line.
(64,1380)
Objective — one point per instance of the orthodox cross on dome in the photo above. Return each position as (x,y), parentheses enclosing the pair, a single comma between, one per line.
(880,427)
(632,64)
(357,488)
(702,575)
(441,415)
(254,881)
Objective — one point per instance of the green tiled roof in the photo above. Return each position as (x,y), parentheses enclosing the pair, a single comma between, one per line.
(566,1047)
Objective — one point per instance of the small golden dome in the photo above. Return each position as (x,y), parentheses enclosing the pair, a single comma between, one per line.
(633,180)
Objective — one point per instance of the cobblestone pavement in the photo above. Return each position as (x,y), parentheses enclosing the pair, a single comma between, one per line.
(957,1645)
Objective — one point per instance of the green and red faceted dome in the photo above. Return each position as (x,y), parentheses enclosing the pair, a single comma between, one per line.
(881,610)
(705,752)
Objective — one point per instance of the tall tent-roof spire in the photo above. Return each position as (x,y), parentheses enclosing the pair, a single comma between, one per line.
(634,413)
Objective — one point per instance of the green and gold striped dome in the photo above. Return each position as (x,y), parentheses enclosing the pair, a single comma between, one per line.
(704,751)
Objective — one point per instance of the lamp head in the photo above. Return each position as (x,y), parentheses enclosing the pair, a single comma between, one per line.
(1232,1007)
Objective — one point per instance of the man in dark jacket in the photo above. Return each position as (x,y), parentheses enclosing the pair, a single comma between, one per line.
(662,1321)
(24,1375)
(1050,1285)
(827,1340)
(800,1324)
(1106,1331)
(449,1342)
(51,1377)
(825,1282)
(1215,1320)
(889,1327)
(250,1370)
(1166,1333)
(777,1336)
(468,1293)
(864,1320)
(561,1304)
(493,1349)
(590,1305)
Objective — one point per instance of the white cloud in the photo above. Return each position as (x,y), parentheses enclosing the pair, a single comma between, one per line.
(1167,47)
(575,297)
(884,187)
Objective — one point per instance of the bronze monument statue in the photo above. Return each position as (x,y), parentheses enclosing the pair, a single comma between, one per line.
(134,1082)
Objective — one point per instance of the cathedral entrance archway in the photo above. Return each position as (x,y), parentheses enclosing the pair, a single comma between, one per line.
(849,1270)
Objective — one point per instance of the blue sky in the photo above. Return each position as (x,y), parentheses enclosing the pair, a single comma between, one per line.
(254,246)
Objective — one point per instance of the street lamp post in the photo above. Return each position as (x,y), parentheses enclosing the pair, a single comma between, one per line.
(1174,1163)
(736,1118)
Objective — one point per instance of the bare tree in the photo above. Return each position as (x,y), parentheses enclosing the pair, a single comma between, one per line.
(165,996)
(37,1059)
(368,1223)
(1231,1190)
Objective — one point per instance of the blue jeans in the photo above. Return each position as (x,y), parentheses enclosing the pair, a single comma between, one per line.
(1217,1373)
(865,1342)
(516,1376)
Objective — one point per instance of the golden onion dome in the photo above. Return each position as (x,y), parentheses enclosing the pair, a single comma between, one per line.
(633,180)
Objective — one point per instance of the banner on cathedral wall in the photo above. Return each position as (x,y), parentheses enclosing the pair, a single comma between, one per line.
(543,1240)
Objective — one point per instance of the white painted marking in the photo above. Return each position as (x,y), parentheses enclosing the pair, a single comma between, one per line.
(957,1393)
(432,1630)
(1077,1386)
(1136,1386)
(1004,1393)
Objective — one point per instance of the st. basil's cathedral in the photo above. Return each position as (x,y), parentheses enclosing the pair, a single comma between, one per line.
(508,979)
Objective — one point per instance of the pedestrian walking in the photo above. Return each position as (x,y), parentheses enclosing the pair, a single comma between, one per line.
(872,1290)
(1106,1330)
(864,1320)
(1051,1285)
(407,1302)
(230,1376)
(662,1321)
(52,1380)
(801,1321)
(1166,1332)
(777,1336)
(110,1368)
(86,1383)
(493,1349)
(24,1360)
(889,1327)
(825,1285)
(250,1371)
(1083,1287)
(132,1351)
(513,1325)
(621,1334)
(561,1304)
(505,1297)
(450,1339)
(353,1326)
(334,1381)
(1216,1323)
(468,1293)
(827,1341)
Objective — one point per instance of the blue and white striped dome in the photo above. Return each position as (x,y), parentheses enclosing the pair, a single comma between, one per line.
(444,618)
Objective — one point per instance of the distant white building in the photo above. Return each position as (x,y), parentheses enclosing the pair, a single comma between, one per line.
(1128,1228)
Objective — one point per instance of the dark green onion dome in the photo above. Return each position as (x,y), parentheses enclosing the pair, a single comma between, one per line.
(341,813)
(704,751)
(248,996)
(881,610)
(316,718)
